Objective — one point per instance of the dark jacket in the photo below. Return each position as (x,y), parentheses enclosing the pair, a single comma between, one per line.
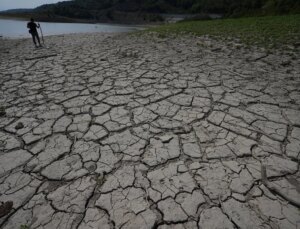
(32,27)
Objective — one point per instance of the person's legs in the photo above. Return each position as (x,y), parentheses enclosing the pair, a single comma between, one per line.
(36,36)
(33,38)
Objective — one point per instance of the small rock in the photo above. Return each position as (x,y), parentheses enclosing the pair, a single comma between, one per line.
(285,63)
(216,49)
(2,145)
(19,126)
(2,112)
(297,44)
(166,138)
(182,169)
(183,130)
(5,208)
(90,166)
(238,46)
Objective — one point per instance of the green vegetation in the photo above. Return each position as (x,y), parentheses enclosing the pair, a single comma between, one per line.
(246,7)
(143,11)
(24,227)
(95,8)
(269,31)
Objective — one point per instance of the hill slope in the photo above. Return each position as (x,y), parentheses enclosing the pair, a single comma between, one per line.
(89,8)
(143,11)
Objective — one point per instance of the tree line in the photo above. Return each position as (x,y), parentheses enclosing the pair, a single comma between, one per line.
(95,9)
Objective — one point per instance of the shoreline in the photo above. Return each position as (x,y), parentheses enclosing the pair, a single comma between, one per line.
(17,28)
(74,20)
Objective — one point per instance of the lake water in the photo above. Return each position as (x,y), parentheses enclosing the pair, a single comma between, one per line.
(18,28)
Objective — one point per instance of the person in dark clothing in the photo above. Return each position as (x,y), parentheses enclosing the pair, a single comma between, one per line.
(32,26)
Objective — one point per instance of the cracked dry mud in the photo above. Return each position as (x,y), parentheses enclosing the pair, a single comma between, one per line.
(117,131)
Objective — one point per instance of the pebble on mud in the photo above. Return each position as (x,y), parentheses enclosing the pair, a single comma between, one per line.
(19,126)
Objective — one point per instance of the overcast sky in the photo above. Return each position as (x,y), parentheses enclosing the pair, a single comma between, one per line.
(15,4)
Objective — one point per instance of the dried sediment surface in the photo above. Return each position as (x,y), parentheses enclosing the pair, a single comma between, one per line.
(120,131)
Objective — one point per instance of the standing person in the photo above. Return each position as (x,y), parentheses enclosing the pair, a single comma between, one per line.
(33,31)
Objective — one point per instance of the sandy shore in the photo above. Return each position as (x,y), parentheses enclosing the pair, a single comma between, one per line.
(118,131)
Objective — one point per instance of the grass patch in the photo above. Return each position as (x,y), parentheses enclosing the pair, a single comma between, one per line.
(269,31)
(24,227)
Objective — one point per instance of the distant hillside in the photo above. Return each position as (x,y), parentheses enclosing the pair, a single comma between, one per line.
(144,11)
(91,8)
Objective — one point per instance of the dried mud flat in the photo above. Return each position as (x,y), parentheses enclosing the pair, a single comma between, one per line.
(118,131)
